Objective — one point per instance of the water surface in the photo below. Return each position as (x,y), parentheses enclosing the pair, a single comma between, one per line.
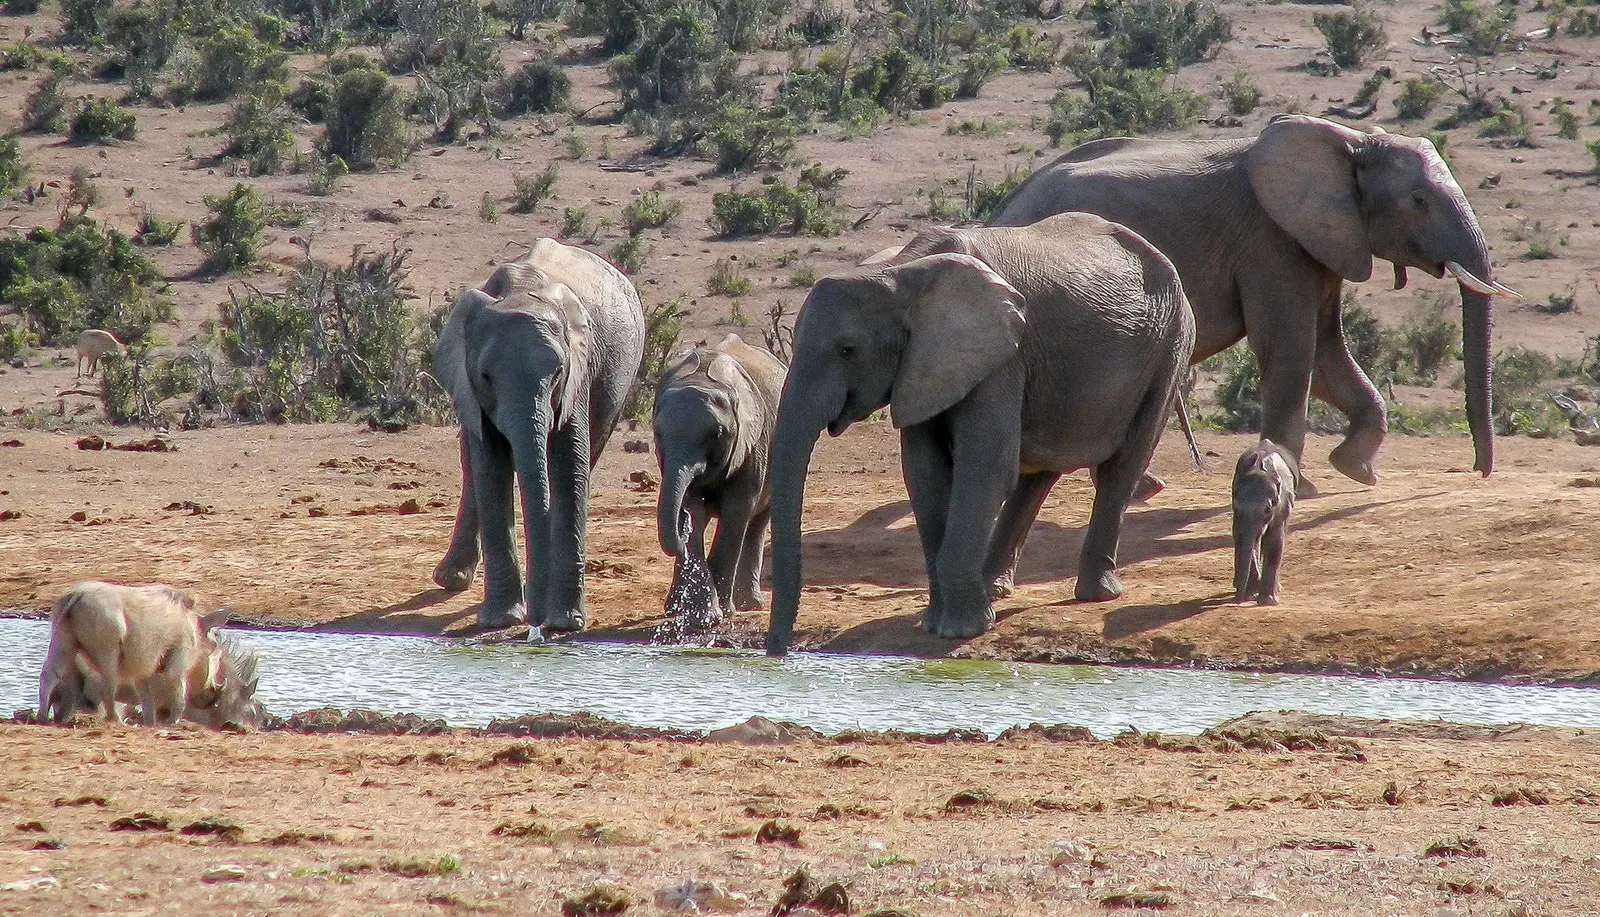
(469,684)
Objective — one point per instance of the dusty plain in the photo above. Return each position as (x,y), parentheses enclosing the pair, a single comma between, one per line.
(1434,571)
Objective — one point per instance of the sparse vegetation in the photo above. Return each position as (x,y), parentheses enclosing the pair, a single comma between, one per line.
(102,121)
(1352,35)
(258,130)
(1566,120)
(649,211)
(1119,102)
(806,208)
(45,109)
(727,280)
(14,168)
(81,275)
(1240,94)
(1157,34)
(529,191)
(1418,96)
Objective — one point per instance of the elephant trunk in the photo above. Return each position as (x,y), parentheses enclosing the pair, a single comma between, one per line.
(1476,332)
(678,473)
(1246,545)
(801,418)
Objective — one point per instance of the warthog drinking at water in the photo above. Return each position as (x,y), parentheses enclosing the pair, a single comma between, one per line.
(149,644)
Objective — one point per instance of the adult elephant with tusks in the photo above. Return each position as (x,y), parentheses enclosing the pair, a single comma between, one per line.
(1007,357)
(1265,230)
(538,361)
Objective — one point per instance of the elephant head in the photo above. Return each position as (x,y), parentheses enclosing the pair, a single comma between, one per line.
(704,422)
(1347,196)
(916,336)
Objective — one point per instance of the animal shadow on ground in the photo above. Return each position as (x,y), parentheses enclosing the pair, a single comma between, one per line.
(1136,619)
(400,617)
(898,635)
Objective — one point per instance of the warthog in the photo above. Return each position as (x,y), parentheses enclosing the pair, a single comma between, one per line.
(94,344)
(149,644)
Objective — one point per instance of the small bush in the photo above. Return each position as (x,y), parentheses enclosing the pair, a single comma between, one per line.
(619,23)
(1417,98)
(82,192)
(741,139)
(574,223)
(489,209)
(231,236)
(1352,35)
(803,209)
(1424,341)
(1241,94)
(79,276)
(45,109)
(538,87)
(976,68)
(20,7)
(258,130)
(820,24)
(1238,394)
(1486,27)
(155,232)
(312,99)
(1559,303)
(669,65)
(528,191)
(575,145)
(1029,47)
(726,280)
(1565,118)
(14,341)
(629,254)
(1519,379)
(13,168)
(663,324)
(238,57)
(1508,124)
(101,121)
(142,40)
(649,211)
(1157,34)
(367,120)
(84,21)
(1120,103)
(327,175)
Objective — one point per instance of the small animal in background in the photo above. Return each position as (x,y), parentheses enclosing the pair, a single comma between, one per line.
(94,344)
(1263,496)
(112,643)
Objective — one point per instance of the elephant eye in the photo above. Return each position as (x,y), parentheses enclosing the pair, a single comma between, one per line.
(1419,201)
(847,351)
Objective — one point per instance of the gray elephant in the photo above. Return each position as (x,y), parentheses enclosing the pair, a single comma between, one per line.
(1264,231)
(715,410)
(1008,357)
(538,361)
(1263,497)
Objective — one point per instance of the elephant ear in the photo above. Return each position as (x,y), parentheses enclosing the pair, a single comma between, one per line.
(684,364)
(1303,171)
(574,386)
(450,359)
(965,321)
(744,398)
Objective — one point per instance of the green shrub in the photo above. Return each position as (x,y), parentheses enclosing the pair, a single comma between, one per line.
(312,99)
(1508,124)
(83,21)
(619,23)
(1157,34)
(1029,47)
(1352,35)
(537,87)
(1559,303)
(1238,394)
(141,40)
(1120,103)
(798,210)
(575,223)
(20,7)
(648,211)
(629,254)
(1486,27)
(258,130)
(669,65)
(231,235)
(1240,93)
(663,324)
(82,192)
(488,208)
(528,191)
(45,109)
(898,81)
(155,232)
(821,23)
(976,68)
(327,174)
(15,339)
(22,56)
(79,276)
(726,280)
(1417,98)
(238,57)
(1424,341)
(743,24)
(13,168)
(445,44)
(367,121)
(741,139)
(1565,118)
(101,121)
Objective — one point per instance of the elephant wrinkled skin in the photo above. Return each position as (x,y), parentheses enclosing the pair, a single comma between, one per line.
(715,410)
(1008,357)
(538,362)
(1265,230)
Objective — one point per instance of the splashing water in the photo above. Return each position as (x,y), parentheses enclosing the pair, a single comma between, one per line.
(693,610)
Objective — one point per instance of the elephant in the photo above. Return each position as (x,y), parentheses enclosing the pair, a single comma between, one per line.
(538,362)
(1265,230)
(714,414)
(1007,357)
(1263,497)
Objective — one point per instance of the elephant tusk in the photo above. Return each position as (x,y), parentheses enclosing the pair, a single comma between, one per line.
(1487,288)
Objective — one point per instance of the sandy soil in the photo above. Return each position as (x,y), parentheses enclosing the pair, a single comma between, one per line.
(1020,826)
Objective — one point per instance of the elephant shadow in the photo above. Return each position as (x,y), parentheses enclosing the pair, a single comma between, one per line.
(404,617)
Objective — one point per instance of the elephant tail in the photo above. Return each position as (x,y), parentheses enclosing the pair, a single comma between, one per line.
(1188,431)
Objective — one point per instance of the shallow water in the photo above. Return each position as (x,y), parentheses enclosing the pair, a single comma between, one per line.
(469,684)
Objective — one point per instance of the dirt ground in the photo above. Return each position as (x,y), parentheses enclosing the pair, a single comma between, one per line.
(1019,826)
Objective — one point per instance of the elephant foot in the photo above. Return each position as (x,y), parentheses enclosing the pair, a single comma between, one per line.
(1352,466)
(1148,486)
(1102,587)
(932,617)
(568,620)
(1267,598)
(1002,586)
(496,616)
(750,602)
(453,578)
(1304,489)
(967,613)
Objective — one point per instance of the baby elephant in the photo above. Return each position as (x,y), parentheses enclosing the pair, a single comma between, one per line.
(714,415)
(116,643)
(1263,495)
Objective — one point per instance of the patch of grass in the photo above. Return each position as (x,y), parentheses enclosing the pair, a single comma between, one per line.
(528,191)
(803,276)
(650,210)
(727,280)
(1352,35)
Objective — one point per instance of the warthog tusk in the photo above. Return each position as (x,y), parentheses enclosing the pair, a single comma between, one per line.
(1471,282)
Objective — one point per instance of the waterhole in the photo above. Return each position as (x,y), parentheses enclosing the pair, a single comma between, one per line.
(470,684)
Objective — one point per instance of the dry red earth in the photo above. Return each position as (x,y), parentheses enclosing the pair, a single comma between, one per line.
(1435,570)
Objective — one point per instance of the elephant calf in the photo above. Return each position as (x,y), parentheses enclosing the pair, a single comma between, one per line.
(117,643)
(714,414)
(1263,496)
(1008,357)
(538,362)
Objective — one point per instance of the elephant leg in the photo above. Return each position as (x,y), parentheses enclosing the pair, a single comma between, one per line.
(564,608)
(984,474)
(490,459)
(1271,558)
(1115,481)
(925,462)
(1011,530)
(454,573)
(1339,381)
(727,548)
(747,579)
